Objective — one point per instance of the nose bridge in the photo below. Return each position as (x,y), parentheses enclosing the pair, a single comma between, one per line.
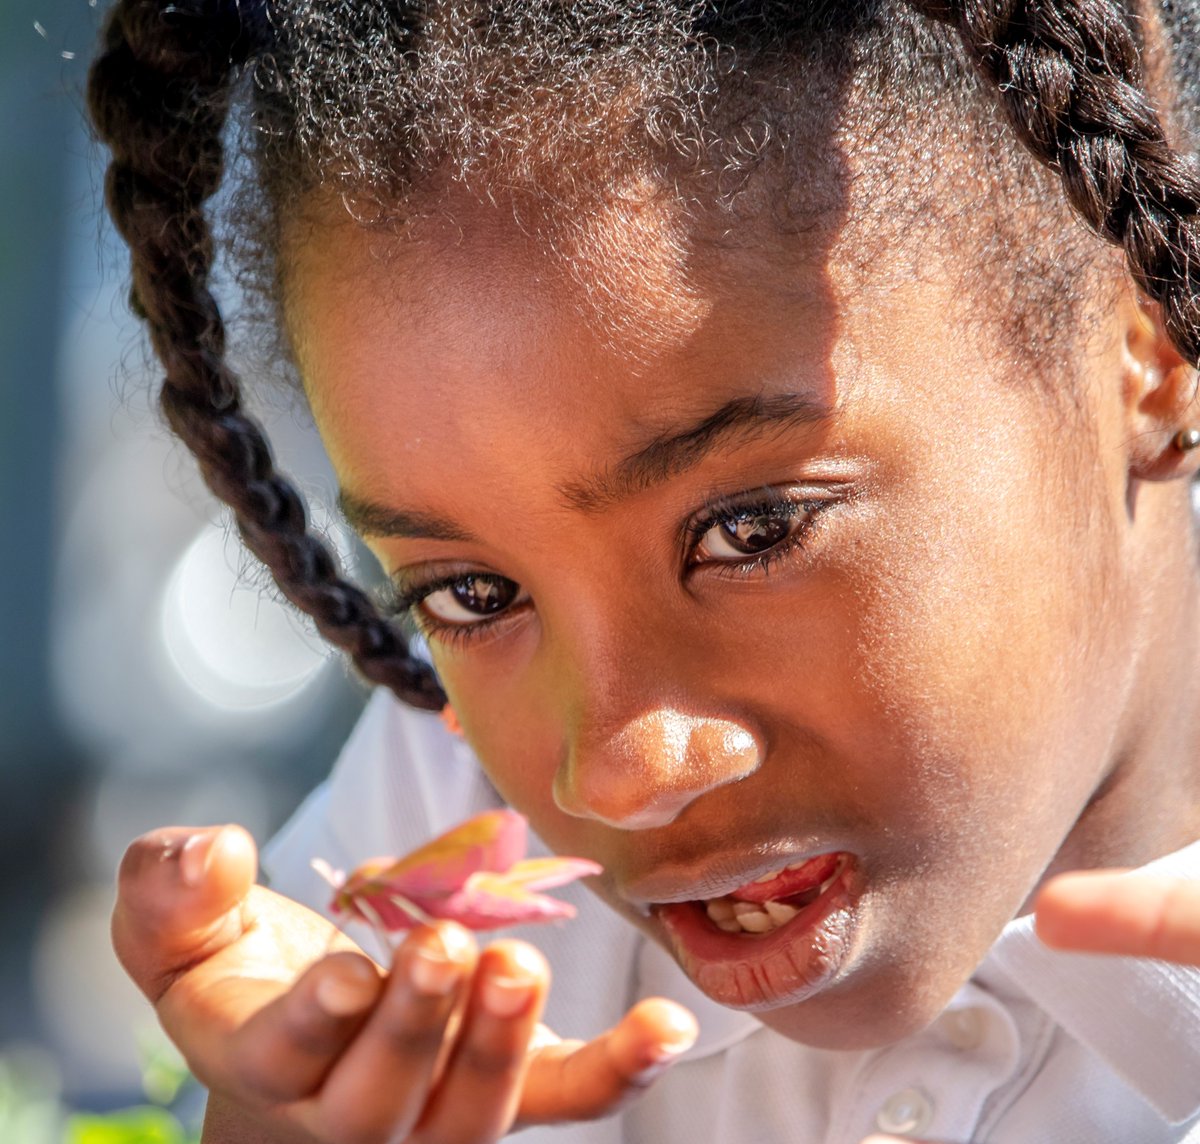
(643,772)
(645,735)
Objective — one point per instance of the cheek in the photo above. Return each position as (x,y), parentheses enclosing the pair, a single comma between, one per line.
(514,734)
(986,655)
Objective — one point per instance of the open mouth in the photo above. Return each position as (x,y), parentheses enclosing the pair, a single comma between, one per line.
(778,939)
(775,898)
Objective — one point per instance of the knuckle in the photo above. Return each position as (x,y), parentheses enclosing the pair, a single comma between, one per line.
(256,1066)
(409,1038)
(349,1131)
(445,1136)
(413,1042)
(489,1061)
(310,1033)
(363,1125)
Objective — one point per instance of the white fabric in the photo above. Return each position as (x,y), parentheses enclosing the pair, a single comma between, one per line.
(1039,1048)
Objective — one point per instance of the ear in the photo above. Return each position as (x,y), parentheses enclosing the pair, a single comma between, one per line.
(1161,395)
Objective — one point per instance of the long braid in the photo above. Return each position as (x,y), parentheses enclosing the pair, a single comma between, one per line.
(1070,78)
(159,96)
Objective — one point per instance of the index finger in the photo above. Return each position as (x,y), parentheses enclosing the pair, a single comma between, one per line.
(1111,912)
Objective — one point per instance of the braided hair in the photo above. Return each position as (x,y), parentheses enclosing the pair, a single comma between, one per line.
(368,95)
(1072,81)
(159,96)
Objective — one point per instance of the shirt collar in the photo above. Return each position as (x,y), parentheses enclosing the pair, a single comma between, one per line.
(1141,1017)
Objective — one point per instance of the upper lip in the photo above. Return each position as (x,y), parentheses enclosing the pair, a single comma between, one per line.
(716,876)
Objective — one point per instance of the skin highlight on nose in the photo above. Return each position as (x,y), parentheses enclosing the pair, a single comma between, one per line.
(653,767)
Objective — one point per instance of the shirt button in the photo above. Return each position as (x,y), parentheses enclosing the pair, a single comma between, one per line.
(964,1028)
(905,1113)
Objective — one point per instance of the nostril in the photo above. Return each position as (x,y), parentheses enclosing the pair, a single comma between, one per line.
(652,767)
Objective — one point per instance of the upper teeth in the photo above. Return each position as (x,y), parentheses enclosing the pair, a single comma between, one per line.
(734,916)
(771,875)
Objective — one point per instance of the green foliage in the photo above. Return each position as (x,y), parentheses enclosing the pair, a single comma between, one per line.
(31,1110)
(147,1125)
(164,1077)
(164,1072)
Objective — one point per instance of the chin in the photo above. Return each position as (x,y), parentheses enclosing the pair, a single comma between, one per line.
(857,1017)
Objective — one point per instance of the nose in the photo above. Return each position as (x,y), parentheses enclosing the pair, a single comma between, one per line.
(645,773)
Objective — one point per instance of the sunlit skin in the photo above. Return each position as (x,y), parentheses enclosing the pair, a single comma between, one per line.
(964,667)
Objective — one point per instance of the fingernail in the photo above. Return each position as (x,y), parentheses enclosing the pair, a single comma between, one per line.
(679,1031)
(507,994)
(196,855)
(438,963)
(456,942)
(664,1059)
(347,992)
(433,973)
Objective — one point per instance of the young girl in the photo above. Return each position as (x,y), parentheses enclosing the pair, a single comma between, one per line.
(794,496)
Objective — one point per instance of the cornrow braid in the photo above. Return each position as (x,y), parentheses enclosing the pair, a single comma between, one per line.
(1071,80)
(159,95)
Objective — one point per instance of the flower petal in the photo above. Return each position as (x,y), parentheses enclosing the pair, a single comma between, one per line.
(473,874)
(493,840)
(542,873)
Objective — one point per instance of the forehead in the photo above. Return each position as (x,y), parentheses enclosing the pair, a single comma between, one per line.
(632,315)
(642,269)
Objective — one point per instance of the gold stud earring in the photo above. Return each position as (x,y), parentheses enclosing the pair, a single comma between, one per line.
(1186,440)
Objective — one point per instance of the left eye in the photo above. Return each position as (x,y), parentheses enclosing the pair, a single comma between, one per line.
(751,532)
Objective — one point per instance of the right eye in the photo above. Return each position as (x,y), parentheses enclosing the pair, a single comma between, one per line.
(469,600)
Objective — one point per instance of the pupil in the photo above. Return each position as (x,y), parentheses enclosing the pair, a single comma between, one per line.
(757,532)
(485,594)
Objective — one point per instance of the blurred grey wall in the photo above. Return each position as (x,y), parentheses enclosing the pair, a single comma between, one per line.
(144,678)
(37,129)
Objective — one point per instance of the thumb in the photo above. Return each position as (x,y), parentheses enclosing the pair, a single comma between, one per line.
(181,896)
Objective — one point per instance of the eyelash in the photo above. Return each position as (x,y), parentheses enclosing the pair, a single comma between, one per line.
(771,502)
(406,604)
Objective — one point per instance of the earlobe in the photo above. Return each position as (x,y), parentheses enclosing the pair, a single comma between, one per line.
(1162,394)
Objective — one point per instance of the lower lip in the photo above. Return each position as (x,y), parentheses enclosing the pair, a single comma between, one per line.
(763,971)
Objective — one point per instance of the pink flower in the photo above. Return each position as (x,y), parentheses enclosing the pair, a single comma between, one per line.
(474,874)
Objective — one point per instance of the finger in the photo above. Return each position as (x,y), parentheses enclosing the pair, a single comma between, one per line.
(895,1140)
(226,1122)
(382,1084)
(1111,912)
(289,1038)
(178,896)
(575,1081)
(478,1095)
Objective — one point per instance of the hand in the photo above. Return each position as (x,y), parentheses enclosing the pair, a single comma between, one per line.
(1107,911)
(301,1038)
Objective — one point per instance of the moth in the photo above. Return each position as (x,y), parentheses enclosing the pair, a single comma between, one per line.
(475,874)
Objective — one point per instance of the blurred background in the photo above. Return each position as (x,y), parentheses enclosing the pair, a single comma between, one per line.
(144,679)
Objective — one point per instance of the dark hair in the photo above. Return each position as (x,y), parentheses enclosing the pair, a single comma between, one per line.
(370,96)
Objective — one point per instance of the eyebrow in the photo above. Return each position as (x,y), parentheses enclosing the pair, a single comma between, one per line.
(370,519)
(679,449)
(671,453)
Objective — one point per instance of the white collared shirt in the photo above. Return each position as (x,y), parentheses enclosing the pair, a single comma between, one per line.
(1038,1048)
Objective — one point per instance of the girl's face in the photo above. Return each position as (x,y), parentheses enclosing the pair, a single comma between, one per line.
(734,557)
